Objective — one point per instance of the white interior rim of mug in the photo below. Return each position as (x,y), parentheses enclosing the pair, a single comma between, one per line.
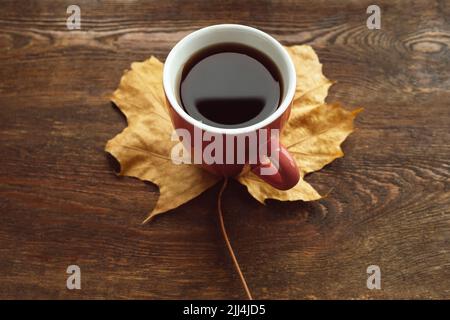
(222,33)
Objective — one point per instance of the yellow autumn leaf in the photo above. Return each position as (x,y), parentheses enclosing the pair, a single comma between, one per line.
(143,148)
(314,132)
(262,191)
(313,135)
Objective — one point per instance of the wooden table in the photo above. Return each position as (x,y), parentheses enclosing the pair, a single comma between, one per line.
(61,203)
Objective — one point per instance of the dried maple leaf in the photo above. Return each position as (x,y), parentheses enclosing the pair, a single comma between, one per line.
(143,148)
(314,132)
(313,135)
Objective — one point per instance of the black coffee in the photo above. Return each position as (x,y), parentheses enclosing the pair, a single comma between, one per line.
(230,86)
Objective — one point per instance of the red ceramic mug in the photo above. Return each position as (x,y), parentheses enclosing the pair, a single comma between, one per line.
(272,162)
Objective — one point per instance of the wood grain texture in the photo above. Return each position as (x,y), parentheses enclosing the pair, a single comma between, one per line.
(61,203)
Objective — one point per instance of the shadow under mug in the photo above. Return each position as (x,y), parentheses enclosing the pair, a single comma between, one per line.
(273,162)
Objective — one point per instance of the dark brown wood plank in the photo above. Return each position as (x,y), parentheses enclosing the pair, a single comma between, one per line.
(61,203)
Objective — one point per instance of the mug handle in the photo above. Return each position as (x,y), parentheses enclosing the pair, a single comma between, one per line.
(285,177)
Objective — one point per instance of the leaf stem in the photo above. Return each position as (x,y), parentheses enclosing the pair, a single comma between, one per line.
(227,241)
